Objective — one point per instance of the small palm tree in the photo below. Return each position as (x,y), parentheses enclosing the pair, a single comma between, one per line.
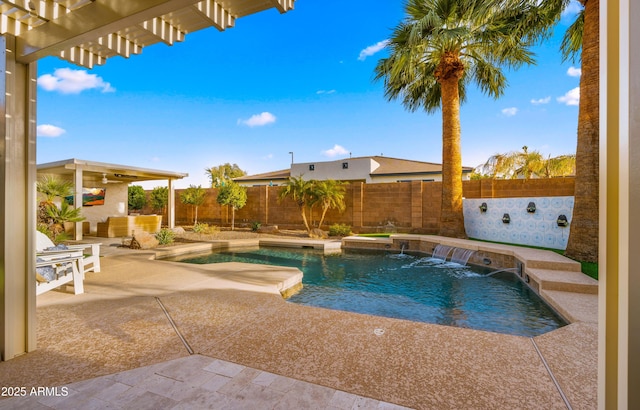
(330,195)
(300,191)
(441,48)
(52,187)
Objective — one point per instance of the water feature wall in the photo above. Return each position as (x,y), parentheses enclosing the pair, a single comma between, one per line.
(537,228)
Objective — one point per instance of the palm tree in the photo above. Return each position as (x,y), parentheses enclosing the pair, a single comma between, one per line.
(582,41)
(527,164)
(300,191)
(330,195)
(441,47)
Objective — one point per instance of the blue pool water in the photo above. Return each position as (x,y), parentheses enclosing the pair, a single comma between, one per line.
(408,287)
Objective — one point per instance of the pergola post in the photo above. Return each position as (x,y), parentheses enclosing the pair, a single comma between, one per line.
(17,202)
(171,206)
(77,199)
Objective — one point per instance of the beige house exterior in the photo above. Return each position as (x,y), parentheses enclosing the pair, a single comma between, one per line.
(374,169)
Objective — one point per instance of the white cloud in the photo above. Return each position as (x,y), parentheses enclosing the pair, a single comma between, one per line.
(335,151)
(572,97)
(539,101)
(68,81)
(48,130)
(572,9)
(509,112)
(574,72)
(325,91)
(371,50)
(268,156)
(258,120)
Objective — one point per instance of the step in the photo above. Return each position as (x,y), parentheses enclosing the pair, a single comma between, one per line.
(566,281)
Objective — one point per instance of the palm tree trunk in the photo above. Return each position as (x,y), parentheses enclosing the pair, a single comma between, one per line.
(304,219)
(583,239)
(451,217)
(324,212)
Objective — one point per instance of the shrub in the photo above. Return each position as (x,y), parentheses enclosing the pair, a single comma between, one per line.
(165,236)
(200,227)
(339,230)
(255,225)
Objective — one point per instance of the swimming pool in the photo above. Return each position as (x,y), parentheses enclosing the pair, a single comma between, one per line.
(406,286)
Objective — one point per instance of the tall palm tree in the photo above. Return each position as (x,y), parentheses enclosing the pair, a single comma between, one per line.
(300,191)
(582,41)
(330,195)
(441,47)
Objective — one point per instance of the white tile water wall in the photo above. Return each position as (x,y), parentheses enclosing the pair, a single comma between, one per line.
(534,229)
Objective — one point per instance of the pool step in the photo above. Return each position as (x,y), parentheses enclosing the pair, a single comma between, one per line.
(561,280)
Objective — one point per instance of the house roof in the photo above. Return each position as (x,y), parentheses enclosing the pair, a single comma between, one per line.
(96,171)
(88,32)
(388,166)
(398,166)
(273,175)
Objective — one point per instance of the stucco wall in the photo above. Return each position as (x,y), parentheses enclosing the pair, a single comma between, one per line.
(115,204)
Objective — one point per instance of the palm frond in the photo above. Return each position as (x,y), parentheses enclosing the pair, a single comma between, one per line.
(572,41)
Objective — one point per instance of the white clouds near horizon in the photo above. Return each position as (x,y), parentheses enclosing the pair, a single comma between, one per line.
(48,130)
(335,151)
(540,101)
(572,97)
(325,91)
(574,72)
(68,81)
(371,50)
(259,120)
(509,112)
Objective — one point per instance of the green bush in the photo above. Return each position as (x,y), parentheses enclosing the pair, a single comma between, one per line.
(255,225)
(200,227)
(339,230)
(165,236)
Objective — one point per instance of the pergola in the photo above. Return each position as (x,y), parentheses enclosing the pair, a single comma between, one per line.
(85,33)
(85,173)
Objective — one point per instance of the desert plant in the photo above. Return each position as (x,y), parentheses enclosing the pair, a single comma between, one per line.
(255,225)
(200,227)
(339,230)
(165,236)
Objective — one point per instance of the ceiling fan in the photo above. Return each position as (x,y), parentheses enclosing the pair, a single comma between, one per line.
(106,181)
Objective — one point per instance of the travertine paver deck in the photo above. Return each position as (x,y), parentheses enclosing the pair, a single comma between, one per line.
(119,325)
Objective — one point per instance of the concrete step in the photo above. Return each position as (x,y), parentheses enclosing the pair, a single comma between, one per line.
(566,281)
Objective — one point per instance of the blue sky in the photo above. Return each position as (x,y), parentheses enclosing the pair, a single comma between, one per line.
(300,82)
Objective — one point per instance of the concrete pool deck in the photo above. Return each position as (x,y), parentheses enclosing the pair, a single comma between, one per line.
(115,347)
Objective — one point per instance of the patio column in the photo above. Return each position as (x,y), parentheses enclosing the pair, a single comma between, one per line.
(619,260)
(171,206)
(17,202)
(77,199)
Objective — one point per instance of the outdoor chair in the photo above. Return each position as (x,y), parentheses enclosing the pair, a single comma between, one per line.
(54,269)
(91,252)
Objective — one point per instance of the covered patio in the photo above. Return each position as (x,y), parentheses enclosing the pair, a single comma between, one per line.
(110,177)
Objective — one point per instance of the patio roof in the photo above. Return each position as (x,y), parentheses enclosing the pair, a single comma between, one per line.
(96,171)
(88,32)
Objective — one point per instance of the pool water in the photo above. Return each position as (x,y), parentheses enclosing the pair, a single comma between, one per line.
(411,287)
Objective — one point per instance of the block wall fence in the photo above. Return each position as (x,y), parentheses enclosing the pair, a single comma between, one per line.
(408,207)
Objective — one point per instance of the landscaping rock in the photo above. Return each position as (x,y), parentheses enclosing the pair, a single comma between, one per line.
(318,234)
(268,229)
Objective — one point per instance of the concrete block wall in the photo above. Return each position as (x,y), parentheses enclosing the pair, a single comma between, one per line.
(412,207)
